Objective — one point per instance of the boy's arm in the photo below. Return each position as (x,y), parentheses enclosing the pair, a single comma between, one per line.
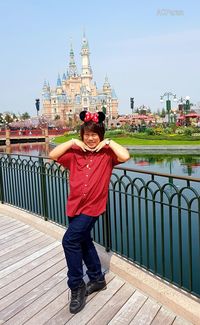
(62,148)
(121,152)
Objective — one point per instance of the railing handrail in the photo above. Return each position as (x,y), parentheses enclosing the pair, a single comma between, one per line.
(140,171)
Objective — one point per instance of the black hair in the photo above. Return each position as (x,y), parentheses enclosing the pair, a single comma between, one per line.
(91,126)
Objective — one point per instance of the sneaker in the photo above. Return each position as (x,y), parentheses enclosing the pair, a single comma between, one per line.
(78,299)
(95,286)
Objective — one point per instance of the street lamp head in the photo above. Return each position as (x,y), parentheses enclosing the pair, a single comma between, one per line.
(187,97)
(175,98)
(161,99)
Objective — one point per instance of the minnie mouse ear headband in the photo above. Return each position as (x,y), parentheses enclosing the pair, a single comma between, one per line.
(95,117)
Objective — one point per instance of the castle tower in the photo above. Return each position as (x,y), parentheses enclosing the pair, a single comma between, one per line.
(106,86)
(86,74)
(46,99)
(73,72)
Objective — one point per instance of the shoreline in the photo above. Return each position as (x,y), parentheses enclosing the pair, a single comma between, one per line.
(165,149)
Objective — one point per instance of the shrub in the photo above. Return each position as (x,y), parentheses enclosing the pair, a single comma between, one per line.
(168,130)
(158,130)
(180,130)
(150,131)
(115,132)
(188,131)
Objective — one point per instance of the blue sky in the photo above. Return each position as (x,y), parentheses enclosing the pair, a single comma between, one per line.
(146,48)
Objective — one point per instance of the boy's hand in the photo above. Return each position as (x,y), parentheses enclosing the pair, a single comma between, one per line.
(100,145)
(81,144)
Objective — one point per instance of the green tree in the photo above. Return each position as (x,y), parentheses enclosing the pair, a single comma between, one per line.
(25,116)
(163,113)
(8,118)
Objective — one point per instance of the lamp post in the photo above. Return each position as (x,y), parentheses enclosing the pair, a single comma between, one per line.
(168,102)
(184,105)
(187,104)
(105,111)
(37,105)
(132,103)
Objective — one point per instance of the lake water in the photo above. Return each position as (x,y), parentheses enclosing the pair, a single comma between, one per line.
(184,165)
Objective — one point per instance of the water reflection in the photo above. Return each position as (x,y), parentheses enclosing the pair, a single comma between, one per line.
(180,165)
(171,164)
(32,149)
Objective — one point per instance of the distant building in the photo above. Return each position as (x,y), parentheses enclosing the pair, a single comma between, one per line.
(76,92)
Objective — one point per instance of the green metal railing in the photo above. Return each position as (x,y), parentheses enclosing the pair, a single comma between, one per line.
(152,219)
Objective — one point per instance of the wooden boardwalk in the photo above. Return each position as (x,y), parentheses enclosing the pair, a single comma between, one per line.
(33,287)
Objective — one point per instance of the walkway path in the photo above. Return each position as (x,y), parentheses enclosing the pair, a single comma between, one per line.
(33,287)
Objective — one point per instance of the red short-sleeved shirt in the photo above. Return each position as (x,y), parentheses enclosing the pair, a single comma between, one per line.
(89,179)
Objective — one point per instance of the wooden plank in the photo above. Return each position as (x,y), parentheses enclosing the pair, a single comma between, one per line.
(180,321)
(15,254)
(108,311)
(97,302)
(39,311)
(63,316)
(164,316)
(50,255)
(32,302)
(28,259)
(129,310)
(147,313)
(5,249)
(28,276)
(9,225)
(21,231)
(36,281)
(30,249)
(13,232)
(17,237)
(5,219)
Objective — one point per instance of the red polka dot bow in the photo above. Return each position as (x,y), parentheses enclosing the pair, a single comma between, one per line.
(91,117)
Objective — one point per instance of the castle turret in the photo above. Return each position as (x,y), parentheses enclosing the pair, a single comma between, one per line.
(86,74)
(106,86)
(46,90)
(73,72)
(46,99)
(59,85)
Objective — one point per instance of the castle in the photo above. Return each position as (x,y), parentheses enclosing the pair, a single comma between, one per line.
(76,92)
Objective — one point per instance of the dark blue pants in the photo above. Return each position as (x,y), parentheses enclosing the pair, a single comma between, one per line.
(78,247)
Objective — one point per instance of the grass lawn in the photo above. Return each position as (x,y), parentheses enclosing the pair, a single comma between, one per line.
(131,140)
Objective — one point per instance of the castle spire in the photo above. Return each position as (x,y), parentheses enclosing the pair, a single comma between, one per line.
(46,90)
(106,85)
(72,65)
(86,74)
(59,84)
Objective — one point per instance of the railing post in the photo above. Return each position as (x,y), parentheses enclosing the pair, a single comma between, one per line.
(43,189)
(7,136)
(1,184)
(46,133)
(106,227)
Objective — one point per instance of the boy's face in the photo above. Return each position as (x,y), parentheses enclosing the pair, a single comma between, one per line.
(91,139)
